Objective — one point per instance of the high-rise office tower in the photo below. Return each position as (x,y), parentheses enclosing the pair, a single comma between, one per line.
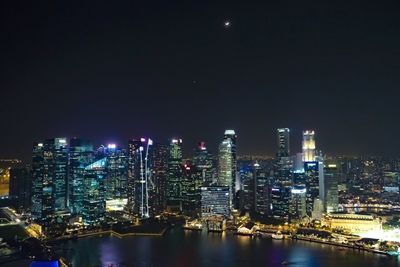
(247,191)
(20,186)
(283,142)
(280,200)
(262,203)
(331,177)
(80,156)
(49,177)
(140,183)
(283,176)
(117,172)
(159,178)
(174,176)
(133,175)
(312,180)
(298,207)
(309,146)
(225,168)
(94,198)
(191,189)
(204,162)
(232,136)
(37,180)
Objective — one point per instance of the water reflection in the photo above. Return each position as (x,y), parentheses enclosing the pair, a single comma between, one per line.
(180,248)
(109,254)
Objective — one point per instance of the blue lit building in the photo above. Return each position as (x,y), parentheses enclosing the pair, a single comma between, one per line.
(81,154)
(94,201)
(116,182)
(247,192)
(49,177)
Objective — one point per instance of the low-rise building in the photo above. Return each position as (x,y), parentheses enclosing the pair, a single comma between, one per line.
(354,223)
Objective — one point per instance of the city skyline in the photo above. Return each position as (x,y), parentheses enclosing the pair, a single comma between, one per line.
(188,149)
(115,70)
(199,133)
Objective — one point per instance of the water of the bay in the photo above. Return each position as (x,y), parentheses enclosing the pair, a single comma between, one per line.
(185,248)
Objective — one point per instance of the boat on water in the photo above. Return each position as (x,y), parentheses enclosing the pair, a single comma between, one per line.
(192,228)
(278,235)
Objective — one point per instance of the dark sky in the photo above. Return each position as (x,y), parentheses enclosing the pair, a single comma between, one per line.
(110,71)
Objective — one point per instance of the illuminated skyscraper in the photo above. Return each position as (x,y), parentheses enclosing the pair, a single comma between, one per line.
(204,162)
(283,143)
(159,178)
(231,135)
(280,200)
(80,156)
(49,177)
(174,176)
(133,175)
(140,184)
(330,197)
(191,189)
(262,203)
(298,207)
(227,164)
(312,177)
(37,180)
(309,146)
(247,192)
(116,182)
(94,200)
(283,177)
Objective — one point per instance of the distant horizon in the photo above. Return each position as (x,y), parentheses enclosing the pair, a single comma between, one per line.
(188,151)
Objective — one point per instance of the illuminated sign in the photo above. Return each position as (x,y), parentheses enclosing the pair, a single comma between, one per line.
(298,191)
(229,132)
(311,164)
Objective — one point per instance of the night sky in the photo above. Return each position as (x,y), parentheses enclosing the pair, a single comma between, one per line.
(111,71)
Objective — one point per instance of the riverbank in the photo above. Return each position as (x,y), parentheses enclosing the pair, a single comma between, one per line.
(110,233)
(349,246)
